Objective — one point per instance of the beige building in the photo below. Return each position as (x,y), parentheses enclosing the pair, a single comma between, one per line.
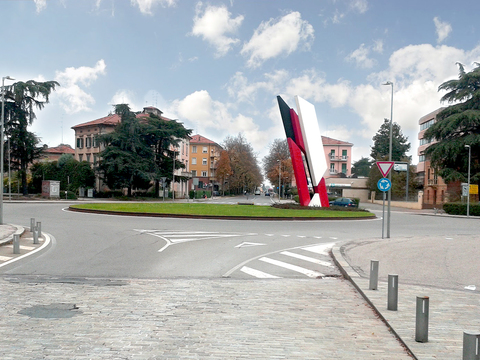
(204,154)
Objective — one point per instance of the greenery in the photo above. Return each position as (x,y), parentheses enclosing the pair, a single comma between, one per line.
(362,167)
(278,160)
(21,99)
(200,209)
(381,143)
(456,126)
(245,172)
(461,209)
(71,173)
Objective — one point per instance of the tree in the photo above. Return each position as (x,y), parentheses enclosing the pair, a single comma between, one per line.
(381,143)
(278,160)
(21,99)
(399,181)
(456,126)
(127,159)
(362,167)
(246,174)
(224,170)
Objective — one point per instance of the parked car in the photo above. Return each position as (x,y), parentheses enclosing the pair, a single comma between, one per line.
(257,192)
(345,202)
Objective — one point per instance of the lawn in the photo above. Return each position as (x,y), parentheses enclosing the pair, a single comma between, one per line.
(220,210)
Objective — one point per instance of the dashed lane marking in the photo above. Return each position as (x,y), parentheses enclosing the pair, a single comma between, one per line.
(307,272)
(257,273)
(307,258)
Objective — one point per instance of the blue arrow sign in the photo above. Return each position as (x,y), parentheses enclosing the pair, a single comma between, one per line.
(384,184)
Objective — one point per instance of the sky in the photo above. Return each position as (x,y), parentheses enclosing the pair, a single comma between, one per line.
(217,66)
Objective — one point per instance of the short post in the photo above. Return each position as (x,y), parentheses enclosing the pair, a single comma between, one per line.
(373,284)
(392,303)
(39,228)
(32,224)
(421,323)
(35,237)
(16,244)
(471,346)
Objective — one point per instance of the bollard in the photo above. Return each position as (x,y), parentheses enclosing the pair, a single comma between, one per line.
(373,284)
(32,224)
(421,322)
(16,244)
(392,303)
(471,346)
(35,237)
(39,228)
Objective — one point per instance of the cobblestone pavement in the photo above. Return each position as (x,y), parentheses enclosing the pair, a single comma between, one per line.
(43,318)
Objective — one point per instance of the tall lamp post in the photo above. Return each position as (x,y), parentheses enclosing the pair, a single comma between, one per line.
(468,179)
(279,171)
(390,159)
(2,155)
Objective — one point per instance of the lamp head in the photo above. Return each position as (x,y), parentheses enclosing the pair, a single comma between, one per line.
(388,83)
(467,146)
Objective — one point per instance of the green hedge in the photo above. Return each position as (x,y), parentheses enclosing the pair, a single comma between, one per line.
(461,209)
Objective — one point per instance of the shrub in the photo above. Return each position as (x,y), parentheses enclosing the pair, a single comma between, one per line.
(461,209)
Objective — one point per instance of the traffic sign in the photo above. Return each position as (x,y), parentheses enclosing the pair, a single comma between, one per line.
(384,184)
(385,167)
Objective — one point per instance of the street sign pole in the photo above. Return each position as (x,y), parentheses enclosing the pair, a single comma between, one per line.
(385,167)
(383,214)
(384,185)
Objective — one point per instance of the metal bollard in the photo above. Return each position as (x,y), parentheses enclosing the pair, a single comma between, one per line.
(421,323)
(35,237)
(32,224)
(39,228)
(471,346)
(373,284)
(16,244)
(392,303)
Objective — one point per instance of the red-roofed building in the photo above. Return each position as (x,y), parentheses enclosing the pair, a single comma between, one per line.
(204,155)
(54,153)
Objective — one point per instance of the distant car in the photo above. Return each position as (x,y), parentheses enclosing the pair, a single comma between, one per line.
(345,202)
(257,192)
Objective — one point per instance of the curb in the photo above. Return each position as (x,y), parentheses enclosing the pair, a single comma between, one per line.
(350,274)
(19,231)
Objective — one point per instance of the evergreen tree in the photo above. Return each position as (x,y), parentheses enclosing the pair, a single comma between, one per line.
(361,167)
(381,143)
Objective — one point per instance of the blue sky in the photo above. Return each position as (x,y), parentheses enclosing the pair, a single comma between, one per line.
(218,66)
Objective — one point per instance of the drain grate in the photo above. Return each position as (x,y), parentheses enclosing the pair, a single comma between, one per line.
(52,311)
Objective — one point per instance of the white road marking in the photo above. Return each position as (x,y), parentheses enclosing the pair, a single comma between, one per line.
(471,287)
(309,273)
(248,244)
(5,258)
(321,249)
(257,273)
(286,235)
(301,236)
(269,234)
(307,258)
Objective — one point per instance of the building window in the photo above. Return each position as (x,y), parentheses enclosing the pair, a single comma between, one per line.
(344,155)
(204,174)
(344,168)
(204,161)
(194,172)
(88,158)
(88,142)
(421,158)
(194,161)
(95,159)
(332,154)
(80,157)
(95,143)
(205,150)
(80,143)
(194,149)
(332,168)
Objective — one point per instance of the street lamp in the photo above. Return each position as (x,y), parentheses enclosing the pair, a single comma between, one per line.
(279,171)
(390,159)
(468,179)
(1,147)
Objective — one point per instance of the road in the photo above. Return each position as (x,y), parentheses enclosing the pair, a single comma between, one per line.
(89,245)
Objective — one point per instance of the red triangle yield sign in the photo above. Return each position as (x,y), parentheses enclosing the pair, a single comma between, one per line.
(385,167)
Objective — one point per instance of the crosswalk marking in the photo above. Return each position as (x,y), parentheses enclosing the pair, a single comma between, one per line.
(321,249)
(309,273)
(257,273)
(307,258)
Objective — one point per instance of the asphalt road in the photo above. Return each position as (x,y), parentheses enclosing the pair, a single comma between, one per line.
(89,245)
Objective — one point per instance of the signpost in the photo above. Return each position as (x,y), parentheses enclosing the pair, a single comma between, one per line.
(385,185)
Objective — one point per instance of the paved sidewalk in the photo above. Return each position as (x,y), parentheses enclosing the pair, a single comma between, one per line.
(444,269)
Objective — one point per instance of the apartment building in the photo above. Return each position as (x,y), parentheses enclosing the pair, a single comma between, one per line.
(204,154)
(339,157)
(54,153)
(434,188)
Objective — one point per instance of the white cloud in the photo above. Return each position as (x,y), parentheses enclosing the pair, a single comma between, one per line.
(124,97)
(276,37)
(360,57)
(213,24)
(40,4)
(73,98)
(359,5)
(378,46)
(443,29)
(146,6)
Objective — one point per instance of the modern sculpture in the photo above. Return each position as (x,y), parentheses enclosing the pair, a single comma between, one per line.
(304,138)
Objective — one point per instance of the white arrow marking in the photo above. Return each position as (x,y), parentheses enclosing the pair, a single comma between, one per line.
(248,244)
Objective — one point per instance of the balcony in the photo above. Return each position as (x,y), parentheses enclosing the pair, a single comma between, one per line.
(432,182)
(338,158)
